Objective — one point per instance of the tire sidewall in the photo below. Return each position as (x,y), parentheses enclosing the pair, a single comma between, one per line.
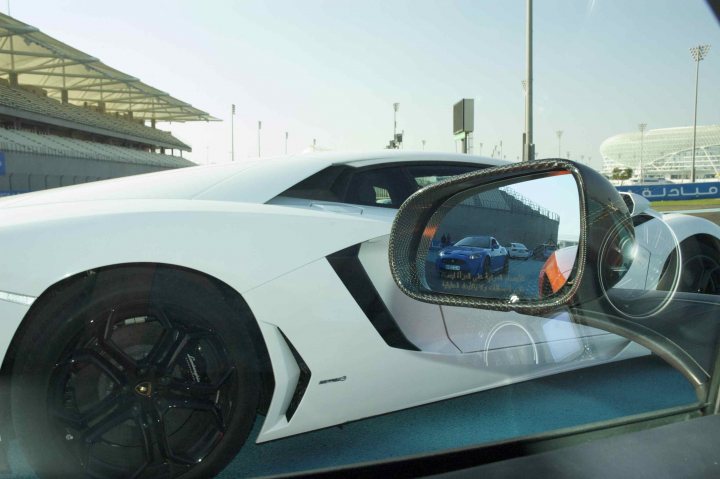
(60,318)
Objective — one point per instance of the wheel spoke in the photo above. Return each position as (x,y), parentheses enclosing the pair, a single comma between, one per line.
(169,349)
(196,404)
(191,389)
(159,434)
(109,422)
(90,356)
(108,346)
(147,449)
(171,346)
(80,420)
(62,371)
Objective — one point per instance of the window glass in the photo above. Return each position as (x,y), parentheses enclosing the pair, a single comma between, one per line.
(173,337)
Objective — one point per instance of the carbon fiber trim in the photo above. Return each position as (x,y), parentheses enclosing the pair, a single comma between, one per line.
(409,246)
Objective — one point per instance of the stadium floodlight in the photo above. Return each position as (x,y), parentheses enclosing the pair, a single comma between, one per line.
(559,134)
(641,127)
(698,53)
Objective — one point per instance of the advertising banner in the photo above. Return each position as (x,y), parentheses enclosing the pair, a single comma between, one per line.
(669,192)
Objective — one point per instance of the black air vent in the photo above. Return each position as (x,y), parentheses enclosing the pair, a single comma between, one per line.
(351,272)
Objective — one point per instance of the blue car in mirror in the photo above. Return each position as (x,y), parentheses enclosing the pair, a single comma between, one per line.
(472,258)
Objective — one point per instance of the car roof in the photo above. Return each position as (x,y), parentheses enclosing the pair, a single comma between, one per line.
(255,181)
(271,177)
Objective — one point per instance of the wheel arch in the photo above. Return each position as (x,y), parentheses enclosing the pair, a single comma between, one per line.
(706,239)
(80,282)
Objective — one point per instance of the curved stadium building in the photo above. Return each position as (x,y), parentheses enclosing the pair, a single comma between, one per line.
(666,152)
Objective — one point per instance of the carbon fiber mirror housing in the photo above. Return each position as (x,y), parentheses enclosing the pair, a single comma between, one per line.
(574,215)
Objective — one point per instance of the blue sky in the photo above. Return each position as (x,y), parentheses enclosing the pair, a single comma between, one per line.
(331,70)
(565,202)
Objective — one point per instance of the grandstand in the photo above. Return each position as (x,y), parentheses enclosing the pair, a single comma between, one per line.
(67,118)
(505,214)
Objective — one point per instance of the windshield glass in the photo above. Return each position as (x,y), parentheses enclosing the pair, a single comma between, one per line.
(475,242)
(198,203)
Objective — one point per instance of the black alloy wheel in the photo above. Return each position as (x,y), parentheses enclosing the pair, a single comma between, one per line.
(700,272)
(144,385)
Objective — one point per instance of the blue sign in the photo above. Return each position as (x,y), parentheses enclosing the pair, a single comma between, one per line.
(669,192)
(2,163)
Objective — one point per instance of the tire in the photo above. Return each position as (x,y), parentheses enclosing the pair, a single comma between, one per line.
(700,269)
(134,372)
(486,274)
(506,266)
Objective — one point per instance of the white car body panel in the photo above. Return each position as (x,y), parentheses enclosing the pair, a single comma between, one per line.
(216,220)
(139,231)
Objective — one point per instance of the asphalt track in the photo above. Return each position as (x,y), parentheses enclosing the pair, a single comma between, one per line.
(579,397)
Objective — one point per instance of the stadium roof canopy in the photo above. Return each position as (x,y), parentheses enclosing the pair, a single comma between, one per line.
(30,57)
(664,150)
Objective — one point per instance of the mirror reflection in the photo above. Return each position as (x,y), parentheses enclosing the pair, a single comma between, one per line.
(516,241)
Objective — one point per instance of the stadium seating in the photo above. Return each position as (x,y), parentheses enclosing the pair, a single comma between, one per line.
(52,145)
(20,99)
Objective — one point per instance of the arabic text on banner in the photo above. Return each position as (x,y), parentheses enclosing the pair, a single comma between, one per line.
(669,192)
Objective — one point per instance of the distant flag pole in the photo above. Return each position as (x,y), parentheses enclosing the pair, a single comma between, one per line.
(232,134)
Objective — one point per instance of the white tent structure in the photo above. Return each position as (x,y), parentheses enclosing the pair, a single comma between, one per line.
(31,58)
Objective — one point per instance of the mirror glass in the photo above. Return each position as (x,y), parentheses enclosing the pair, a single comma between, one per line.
(515,241)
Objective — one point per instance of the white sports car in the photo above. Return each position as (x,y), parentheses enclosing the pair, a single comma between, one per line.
(149,321)
(519,250)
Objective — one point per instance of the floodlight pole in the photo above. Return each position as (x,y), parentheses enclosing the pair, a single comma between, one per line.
(559,134)
(529,147)
(423,144)
(396,107)
(642,127)
(232,133)
(259,128)
(286,141)
(698,53)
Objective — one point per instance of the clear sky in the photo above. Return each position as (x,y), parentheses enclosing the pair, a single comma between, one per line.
(564,201)
(331,70)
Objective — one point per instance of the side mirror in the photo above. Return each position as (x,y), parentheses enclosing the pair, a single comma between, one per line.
(573,213)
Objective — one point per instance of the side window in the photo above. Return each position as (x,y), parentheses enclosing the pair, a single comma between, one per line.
(382,196)
(322,186)
(391,186)
(382,185)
